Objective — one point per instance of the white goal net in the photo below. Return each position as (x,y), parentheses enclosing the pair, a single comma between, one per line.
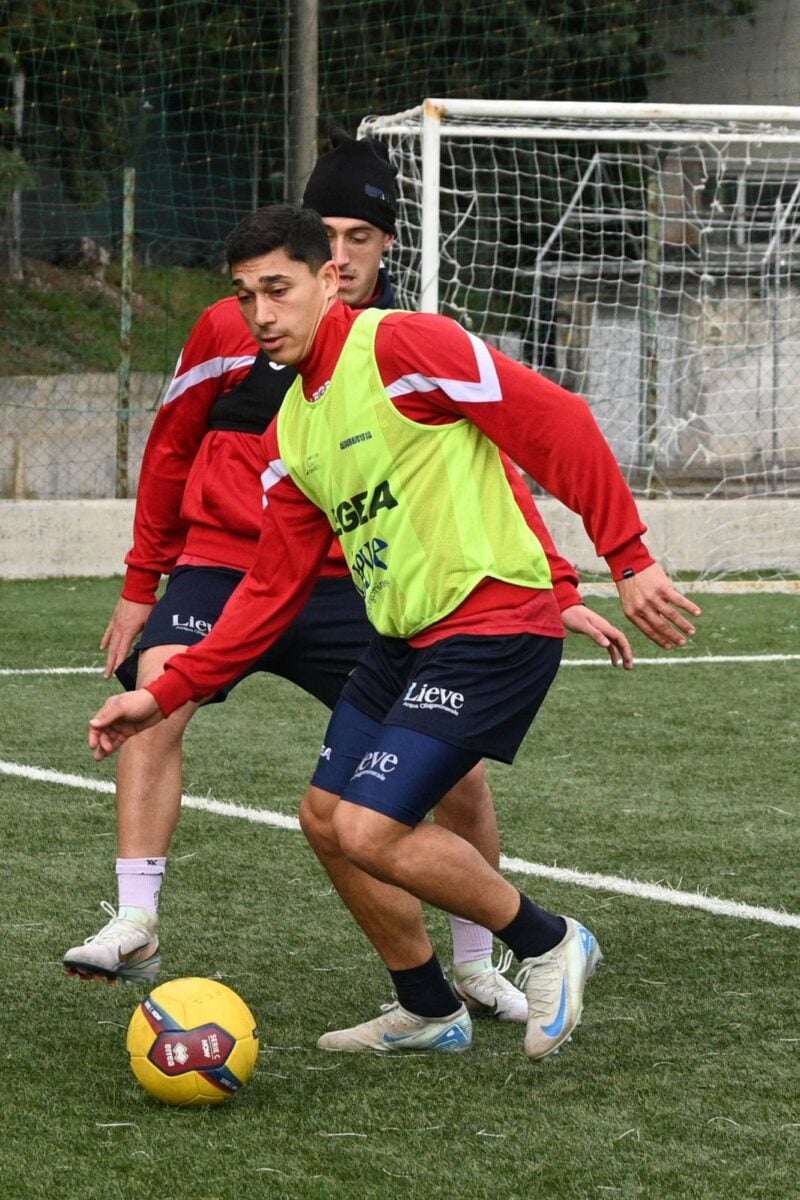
(646,257)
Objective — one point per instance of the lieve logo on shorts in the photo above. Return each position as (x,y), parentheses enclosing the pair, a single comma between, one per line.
(191,625)
(377,763)
(426,696)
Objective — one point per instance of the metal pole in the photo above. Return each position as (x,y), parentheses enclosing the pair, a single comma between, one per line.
(256,166)
(303,95)
(431,168)
(124,370)
(648,421)
(776,364)
(15,213)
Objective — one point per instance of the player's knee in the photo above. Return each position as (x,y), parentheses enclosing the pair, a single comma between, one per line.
(161,740)
(366,838)
(151,662)
(317,824)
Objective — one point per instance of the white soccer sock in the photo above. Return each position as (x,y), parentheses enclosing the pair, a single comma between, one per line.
(470,941)
(139,883)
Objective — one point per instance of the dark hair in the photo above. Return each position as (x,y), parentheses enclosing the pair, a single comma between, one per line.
(298,231)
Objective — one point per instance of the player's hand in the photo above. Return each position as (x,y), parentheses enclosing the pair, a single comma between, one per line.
(119,719)
(127,622)
(652,603)
(580,619)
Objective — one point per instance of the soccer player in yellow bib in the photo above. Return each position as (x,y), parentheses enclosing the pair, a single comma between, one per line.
(396,439)
(197,521)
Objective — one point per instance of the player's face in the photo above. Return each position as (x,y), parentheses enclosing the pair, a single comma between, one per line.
(283,302)
(357,249)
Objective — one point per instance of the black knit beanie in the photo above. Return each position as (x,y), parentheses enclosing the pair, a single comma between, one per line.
(354,179)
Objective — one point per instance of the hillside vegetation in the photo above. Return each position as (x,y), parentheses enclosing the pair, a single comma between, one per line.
(63,320)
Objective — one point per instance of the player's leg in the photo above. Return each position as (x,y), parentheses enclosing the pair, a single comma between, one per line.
(498,685)
(556,954)
(388,916)
(150,774)
(427,1014)
(468,810)
(318,655)
(148,804)
(149,785)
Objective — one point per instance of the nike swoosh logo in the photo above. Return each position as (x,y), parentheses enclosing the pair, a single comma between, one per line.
(277,366)
(557,1025)
(142,951)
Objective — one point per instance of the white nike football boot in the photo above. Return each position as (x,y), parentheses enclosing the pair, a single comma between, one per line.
(125,948)
(397,1029)
(486,991)
(553,984)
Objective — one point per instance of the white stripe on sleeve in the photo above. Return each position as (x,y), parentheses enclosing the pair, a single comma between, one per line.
(274,473)
(486,390)
(212,368)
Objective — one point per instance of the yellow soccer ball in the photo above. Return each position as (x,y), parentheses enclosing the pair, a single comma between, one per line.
(192,1042)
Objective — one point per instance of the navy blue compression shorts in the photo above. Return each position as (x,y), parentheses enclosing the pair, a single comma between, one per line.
(317,652)
(411,723)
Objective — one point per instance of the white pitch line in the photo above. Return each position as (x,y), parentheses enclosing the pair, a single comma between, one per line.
(677,659)
(520,866)
(51,671)
(708,587)
(654,891)
(222,808)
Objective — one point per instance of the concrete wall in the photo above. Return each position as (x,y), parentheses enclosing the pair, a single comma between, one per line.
(90,537)
(43,538)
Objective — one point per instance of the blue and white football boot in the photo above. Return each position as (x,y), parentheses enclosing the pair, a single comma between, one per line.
(554,983)
(396,1029)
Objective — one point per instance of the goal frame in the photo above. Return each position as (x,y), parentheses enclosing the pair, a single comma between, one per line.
(632,122)
(774,545)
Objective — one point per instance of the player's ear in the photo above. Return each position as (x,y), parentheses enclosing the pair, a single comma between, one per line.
(388,239)
(329,274)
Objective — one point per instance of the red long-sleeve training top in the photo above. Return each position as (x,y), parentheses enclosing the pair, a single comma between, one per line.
(434,371)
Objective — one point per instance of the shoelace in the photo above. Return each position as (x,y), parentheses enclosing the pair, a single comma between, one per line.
(540,982)
(105,934)
(504,962)
(406,1019)
(496,973)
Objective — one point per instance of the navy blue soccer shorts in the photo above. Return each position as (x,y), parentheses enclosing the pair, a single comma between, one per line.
(411,723)
(317,652)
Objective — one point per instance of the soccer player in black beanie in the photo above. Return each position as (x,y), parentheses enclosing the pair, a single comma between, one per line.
(353,188)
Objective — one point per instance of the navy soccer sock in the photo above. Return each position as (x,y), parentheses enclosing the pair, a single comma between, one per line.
(424,990)
(533,930)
